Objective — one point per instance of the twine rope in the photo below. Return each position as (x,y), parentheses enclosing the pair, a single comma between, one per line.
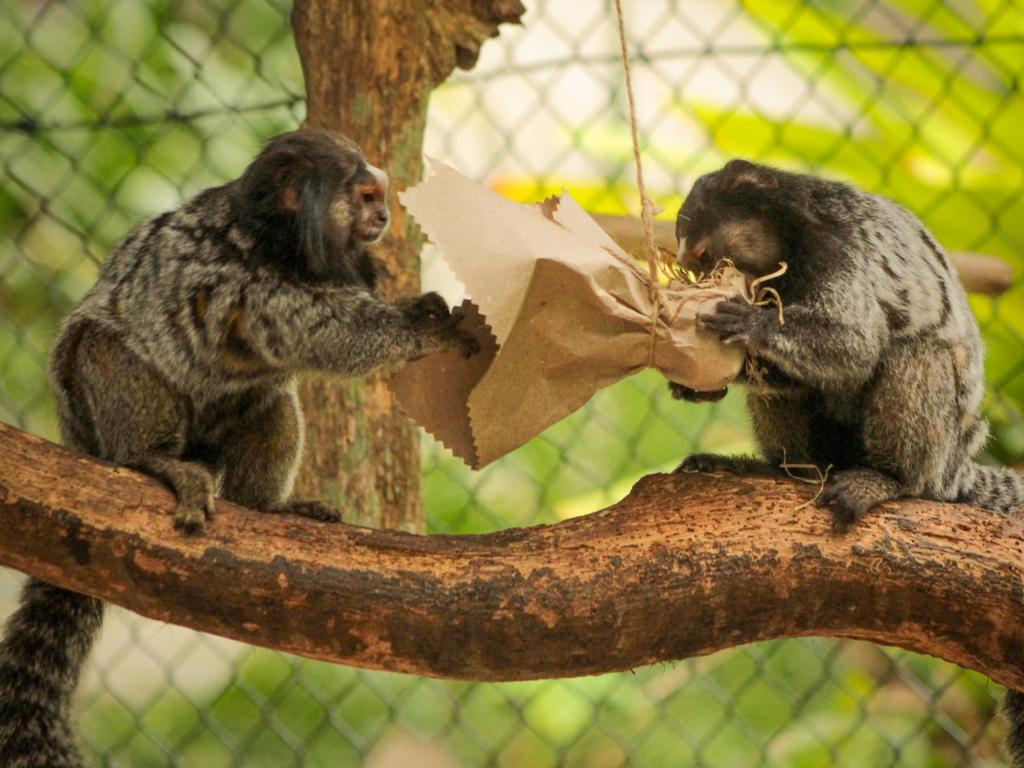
(646,206)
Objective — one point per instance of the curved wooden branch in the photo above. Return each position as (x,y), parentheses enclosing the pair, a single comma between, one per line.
(684,566)
(978,272)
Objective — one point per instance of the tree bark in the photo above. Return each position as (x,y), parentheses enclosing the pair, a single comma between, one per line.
(369,68)
(685,565)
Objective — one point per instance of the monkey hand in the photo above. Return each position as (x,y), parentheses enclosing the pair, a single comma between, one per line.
(466,343)
(735,321)
(429,313)
(682,392)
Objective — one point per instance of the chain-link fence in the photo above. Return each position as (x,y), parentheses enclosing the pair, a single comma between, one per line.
(111,110)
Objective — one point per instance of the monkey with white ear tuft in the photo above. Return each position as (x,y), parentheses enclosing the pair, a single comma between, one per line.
(877,368)
(181,362)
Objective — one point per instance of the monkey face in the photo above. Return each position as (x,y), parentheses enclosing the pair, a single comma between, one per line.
(359,211)
(313,193)
(729,214)
(370,205)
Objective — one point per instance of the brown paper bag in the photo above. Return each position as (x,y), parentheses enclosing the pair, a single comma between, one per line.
(560,312)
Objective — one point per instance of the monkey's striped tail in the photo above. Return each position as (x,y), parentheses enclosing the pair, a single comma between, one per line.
(1001,489)
(45,645)
(997,488)
(1013,710)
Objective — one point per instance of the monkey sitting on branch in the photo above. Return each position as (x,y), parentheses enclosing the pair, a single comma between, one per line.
(875,367)
(181,362)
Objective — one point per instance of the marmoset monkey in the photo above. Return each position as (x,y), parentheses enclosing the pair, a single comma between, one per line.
(877,369)
(181,362)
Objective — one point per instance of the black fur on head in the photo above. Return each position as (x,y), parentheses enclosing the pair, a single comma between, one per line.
(752,215)
(313,203)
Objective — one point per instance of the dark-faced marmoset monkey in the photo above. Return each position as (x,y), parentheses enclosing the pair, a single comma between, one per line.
(181,362)
(877,368)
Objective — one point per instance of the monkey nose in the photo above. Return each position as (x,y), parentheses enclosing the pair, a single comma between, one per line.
(691,257)
(382,217)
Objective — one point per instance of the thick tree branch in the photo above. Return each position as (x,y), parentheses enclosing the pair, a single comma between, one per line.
(684,566)
(979,273)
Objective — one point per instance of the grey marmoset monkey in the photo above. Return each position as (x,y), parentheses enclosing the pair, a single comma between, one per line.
(181,362)
(878,367)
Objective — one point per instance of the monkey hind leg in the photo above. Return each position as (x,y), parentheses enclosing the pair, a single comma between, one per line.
(261,454)
(913,423)
(135,419)
(782,429)
(997,488)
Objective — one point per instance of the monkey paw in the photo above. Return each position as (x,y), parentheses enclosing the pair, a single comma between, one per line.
(430,315)
(314,510)
(461,340)
(733,320)
(737,465)
(852,492)
(681,392)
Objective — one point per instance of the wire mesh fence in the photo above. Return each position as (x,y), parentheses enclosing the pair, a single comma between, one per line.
(110,111)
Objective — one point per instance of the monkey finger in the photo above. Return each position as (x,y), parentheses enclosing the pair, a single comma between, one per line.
(723,325)
(710,322)
(735,308)
(719,319)
(426,308)
(434,305)
(467,345)
(736,340)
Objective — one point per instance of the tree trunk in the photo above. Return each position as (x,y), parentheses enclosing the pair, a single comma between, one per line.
(686,565)
(369,67)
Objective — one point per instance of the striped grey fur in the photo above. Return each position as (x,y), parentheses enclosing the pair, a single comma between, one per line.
(181,361)
(878,368)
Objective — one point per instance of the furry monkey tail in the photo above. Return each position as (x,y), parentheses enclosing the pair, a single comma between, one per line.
(996,488)
(1013,710)
(45,645)
(1001,489)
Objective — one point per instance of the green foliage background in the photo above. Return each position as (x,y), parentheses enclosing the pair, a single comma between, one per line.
(110,111)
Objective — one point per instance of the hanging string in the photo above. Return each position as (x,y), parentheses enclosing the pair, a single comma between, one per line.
(646,206)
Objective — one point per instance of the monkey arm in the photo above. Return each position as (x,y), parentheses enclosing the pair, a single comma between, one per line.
(811,346)
(348,330)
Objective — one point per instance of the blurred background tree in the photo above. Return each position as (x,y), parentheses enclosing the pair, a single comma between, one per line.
(111,111)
